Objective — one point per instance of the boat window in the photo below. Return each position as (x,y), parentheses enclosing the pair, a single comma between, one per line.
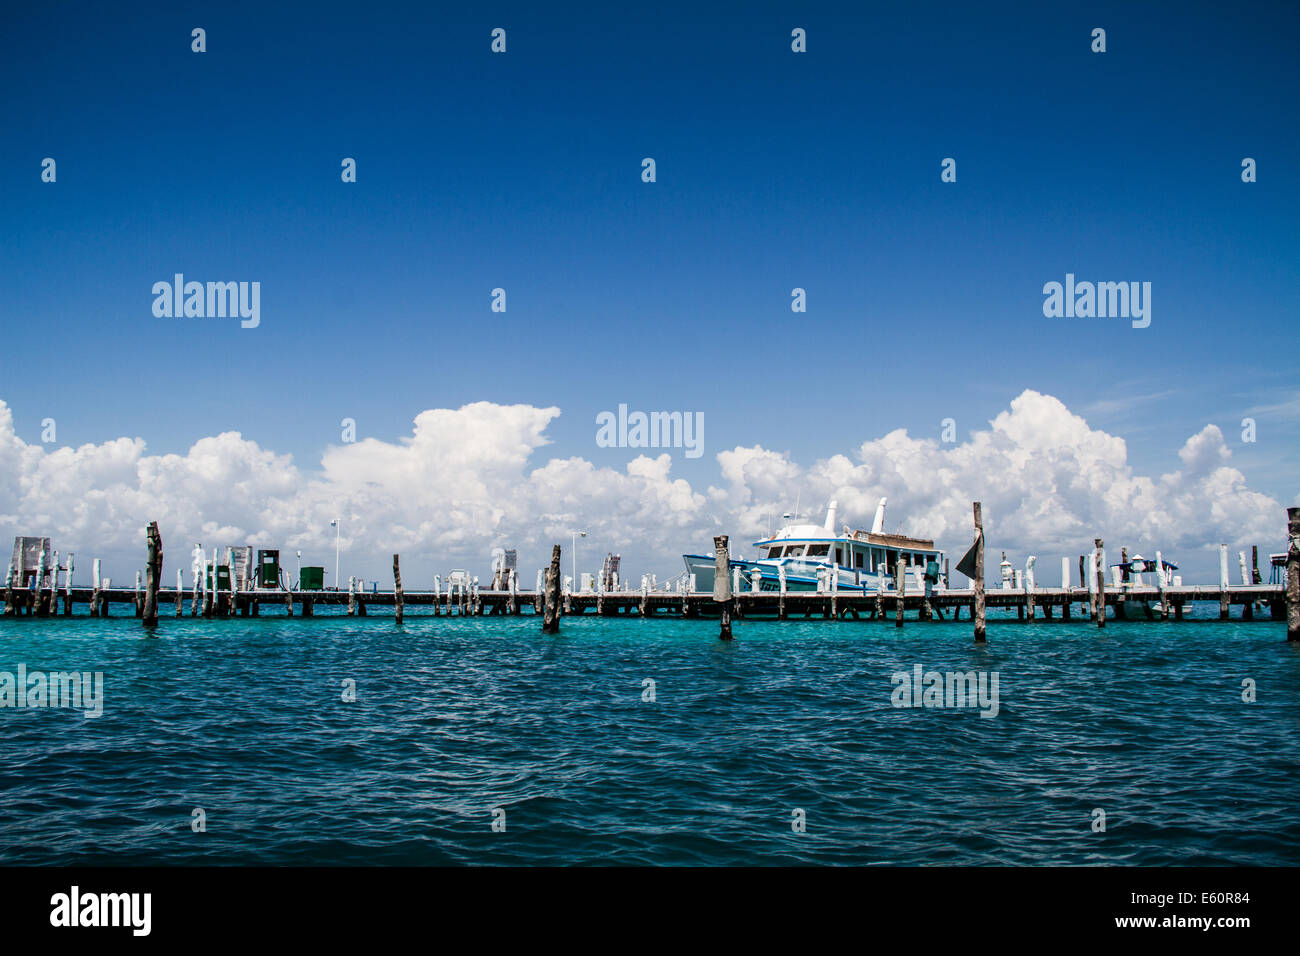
(818,550)
(795,551)
(774,552)
(857,559)
(839,555)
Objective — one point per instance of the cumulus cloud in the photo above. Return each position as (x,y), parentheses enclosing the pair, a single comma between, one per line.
(471,478)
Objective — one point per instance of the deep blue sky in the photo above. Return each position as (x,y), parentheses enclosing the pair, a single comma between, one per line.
(775,170)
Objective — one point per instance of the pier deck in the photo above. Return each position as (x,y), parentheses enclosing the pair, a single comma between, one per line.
(943,604)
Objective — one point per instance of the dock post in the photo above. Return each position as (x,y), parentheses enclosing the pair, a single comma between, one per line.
(514,592)
(900,590)
(437,594)
(979,576)
(180,592)
(722,582)
(780,574)
(398,596)
(645,596)
(1029,586)
(1293,574)
(210,585)
(288,604)
(835,593)
(139,599)
(1160,583)
(52,606)
(9,591)
(1121,599)
(1223,582)
(94,588)
(352,596)
(153,568)
(551,610)
(198,577)
(1247,609)
(67,586)
(1099,573)
(34,595)
(538,592)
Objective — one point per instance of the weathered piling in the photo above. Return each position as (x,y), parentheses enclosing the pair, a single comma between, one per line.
(95,603)
(1223,582)
(180,592)
(978,580)
(1029,587)
(1160,586)
(900,588)
(1293,574)
(1099,572)
(139,598)
(780,575)
(722,582)
(352,597)
(514,591)
(153,572)
(9,591)
(551,608)
(1121,599)
(67,586)
(398,597)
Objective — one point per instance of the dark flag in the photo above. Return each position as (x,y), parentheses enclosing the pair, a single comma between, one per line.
(966,565)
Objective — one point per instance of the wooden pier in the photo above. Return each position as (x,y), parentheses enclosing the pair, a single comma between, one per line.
(1134,603)
(43,596)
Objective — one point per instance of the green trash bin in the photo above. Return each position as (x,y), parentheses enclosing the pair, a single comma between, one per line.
(311,579)
(268,569)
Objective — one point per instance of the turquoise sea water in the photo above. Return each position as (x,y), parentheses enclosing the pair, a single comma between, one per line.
(455,717)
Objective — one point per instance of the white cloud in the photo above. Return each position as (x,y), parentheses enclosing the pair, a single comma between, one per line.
(471,478)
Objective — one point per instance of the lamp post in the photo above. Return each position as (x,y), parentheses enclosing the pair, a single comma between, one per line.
(338,530)
(576,535)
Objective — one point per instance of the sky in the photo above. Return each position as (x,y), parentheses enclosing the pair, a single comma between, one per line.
(522,170)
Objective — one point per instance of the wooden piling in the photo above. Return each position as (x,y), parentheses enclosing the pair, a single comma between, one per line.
(551,608)
(1160,585)
(9,591)
(352,596)
(979,576)
(900,588)
(1121,599)
(1029,589)
(398,597)
(1293,574)
(139,598)
(1223,582)
(67,587)
(780,575)
(1099,567)
(180,592)
(153,572)
(94,588)
(722,582)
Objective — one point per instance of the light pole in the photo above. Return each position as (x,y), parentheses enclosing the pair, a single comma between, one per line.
(576,534)
(338,530)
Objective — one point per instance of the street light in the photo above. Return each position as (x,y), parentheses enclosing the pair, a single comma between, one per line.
(576,535)
(338,530)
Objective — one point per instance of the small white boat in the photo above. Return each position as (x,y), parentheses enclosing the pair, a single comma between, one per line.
(807,555)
